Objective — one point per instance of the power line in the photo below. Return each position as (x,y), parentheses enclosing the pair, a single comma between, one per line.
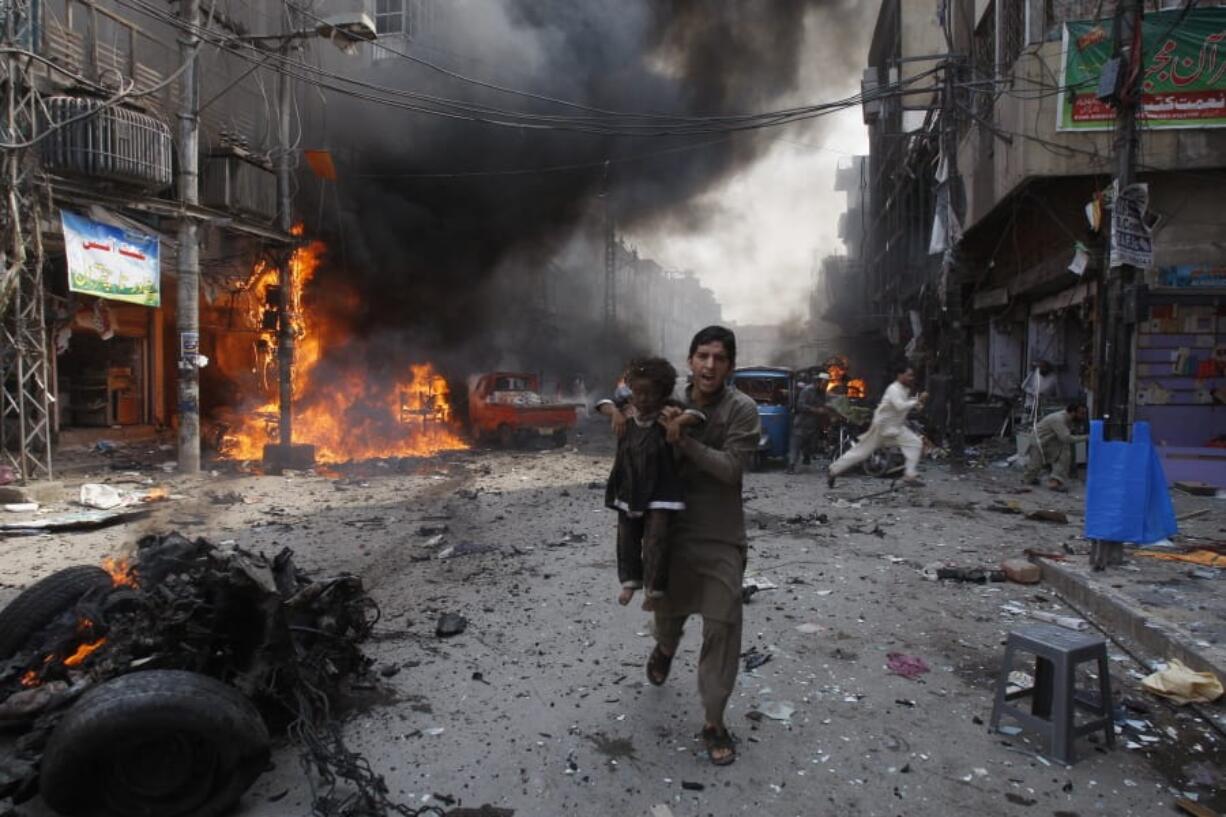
(655,124)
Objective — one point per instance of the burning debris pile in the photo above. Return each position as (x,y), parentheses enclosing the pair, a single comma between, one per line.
(841,383)
(342,406)
(151,687)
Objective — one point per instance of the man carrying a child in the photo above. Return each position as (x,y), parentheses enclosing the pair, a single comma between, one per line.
(707,545)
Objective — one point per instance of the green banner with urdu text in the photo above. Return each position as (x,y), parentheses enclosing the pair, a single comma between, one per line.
(1183,74)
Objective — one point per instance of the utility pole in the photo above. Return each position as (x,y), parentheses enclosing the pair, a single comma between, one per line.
(285,325)
(187,315)
(1121,284)
(1114,374)
(951,291)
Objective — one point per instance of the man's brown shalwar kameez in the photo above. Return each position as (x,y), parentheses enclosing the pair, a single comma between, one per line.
(707,544)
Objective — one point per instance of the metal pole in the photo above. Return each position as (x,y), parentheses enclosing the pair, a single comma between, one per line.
(187,315)
(285,333)
(1118,362)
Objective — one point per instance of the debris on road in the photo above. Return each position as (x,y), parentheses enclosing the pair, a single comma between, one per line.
(464,549)
(1021,571)
(908,666)
(1183,685)
(1067,622)
(101,497)
(975,575)
(755,659)
(73,521)
(778,710)
(450,624)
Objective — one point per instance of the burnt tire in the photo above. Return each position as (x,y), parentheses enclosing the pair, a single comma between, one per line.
(161,743)
(42,602)
(558,438)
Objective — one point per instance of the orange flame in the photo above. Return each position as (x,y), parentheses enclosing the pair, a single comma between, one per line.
(31,679)
(122,573)
(350,416)
(83,651)
(839,383)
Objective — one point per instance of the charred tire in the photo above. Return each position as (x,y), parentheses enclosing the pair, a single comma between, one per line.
(161,743)
(559,438)
(40,603)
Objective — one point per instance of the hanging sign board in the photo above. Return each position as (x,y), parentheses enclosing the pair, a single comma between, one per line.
(1182,79)
(111,262)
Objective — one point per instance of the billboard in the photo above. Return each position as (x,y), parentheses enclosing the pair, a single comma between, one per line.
(111,262)
(1182,75)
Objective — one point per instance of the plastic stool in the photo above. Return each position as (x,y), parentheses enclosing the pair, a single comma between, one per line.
(1054,698)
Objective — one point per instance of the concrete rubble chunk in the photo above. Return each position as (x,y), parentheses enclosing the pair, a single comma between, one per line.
(1021,571)
(450,624)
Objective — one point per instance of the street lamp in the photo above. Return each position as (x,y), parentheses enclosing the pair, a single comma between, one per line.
(345,31)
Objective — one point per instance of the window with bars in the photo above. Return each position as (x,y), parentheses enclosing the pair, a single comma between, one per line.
(406,18)
(389,16)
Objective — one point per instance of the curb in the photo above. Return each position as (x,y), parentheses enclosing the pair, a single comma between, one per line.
(1130,621)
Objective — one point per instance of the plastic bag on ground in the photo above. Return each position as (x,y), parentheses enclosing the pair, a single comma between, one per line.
(1183,685)
(102,497)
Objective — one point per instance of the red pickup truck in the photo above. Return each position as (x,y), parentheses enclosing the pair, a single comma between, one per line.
(508,407)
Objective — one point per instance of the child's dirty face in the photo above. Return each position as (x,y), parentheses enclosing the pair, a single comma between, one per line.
(645,395)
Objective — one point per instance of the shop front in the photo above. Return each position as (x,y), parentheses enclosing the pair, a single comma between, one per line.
(106,326)
(1180,376)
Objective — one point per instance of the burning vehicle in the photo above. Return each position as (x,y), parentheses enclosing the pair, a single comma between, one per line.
(152,687)
(508,408)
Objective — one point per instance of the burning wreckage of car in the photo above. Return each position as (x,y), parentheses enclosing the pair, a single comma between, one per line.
(153,687)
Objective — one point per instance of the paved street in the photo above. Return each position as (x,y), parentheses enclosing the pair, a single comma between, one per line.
(541,705)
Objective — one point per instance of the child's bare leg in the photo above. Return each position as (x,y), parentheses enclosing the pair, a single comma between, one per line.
(629,556)
(655,557)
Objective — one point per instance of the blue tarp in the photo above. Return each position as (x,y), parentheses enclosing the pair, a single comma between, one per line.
(1126,494)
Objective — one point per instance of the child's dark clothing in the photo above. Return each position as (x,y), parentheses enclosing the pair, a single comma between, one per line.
(643,487)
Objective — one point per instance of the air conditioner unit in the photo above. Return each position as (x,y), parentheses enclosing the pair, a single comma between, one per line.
(88,138)
(238,184)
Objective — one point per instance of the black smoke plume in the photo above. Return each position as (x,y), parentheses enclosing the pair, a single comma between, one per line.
(456,266)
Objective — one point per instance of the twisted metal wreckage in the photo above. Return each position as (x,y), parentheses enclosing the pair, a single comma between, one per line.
(153,688)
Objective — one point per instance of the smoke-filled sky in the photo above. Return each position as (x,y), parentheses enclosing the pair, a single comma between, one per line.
(440,248)
(768,221)
(771,217)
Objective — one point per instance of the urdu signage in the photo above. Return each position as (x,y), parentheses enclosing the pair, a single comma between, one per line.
(1183,74)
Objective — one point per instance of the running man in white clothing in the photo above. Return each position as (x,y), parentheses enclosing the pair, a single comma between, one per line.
(889,428)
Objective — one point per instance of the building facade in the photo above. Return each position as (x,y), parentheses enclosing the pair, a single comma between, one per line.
(107,77)
(1024,152)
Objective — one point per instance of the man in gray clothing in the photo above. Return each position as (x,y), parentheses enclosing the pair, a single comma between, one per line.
(1052,445)
(806,422)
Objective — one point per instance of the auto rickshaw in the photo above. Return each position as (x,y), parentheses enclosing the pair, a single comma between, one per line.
(773,388)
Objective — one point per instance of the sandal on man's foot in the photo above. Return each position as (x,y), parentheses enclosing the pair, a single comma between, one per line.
(721,748)
(658,666)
